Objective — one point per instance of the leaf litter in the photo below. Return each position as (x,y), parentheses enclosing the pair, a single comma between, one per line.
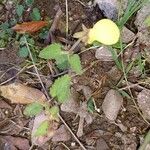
(76,106)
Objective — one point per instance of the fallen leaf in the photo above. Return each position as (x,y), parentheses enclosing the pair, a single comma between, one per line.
(22,94)
(14,143)
(62,134)
(101,144)
(42,139)
(4,105)
(29,27)
(12,127)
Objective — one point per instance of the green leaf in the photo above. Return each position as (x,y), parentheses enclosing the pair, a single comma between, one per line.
(33,109)
(52,51)
(62,62)
(90,105)
(19,10)
(4,26)
(3,43)
(42,129)
(35,15)
(54,112)
(43,34)
(29,2)
(147,21)
(115,57)
(125,94)
(61,88)
(23,52)
(75,63)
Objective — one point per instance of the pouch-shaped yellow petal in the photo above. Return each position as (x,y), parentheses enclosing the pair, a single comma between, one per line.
(104,31)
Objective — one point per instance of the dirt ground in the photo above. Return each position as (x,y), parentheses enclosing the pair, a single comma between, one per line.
(101,132)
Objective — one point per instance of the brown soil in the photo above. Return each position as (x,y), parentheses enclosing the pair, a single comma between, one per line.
(96,77)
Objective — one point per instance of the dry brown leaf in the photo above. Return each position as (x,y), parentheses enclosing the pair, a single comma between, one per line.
(61,134)
(13,143)
(21,94)
(29,27)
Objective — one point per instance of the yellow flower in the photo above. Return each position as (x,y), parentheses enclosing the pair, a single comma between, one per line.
(104,31)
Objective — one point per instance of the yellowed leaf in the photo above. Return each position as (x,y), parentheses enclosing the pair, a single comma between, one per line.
(83,35)
(21,94)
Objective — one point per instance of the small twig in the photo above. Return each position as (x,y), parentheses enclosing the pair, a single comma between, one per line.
(65,146)
(13,76)
(75,45)
(75,137)
(90,48)
(80,127)
(36,70)
(81,3)
(31,147)
(54,25)
(59,74)
(19,126)
(131,85)
(67,18)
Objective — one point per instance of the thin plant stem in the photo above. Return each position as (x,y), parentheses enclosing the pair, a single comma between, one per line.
(125,77)
(48,97)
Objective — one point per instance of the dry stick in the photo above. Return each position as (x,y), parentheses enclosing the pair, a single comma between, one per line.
(54,25)
(131,85)
(75,45)
(36,70)
(13,76)
(75,137)
(48,98)
(67,18)
(7,71)
(65,146)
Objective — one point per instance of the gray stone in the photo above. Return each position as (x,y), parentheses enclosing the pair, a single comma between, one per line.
(109,8)
(143,32)
(127,35)
(101,144)
(112,104)
(143,100)
(103,54)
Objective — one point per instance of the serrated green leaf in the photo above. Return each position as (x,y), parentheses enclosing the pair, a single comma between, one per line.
(54,112)
(62,62)
(19,10)
(23,52)
(147,21)
(52,51)
(61,88)
(42,129)
(75,63)
(33,109)
(90,105)
(35,15)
